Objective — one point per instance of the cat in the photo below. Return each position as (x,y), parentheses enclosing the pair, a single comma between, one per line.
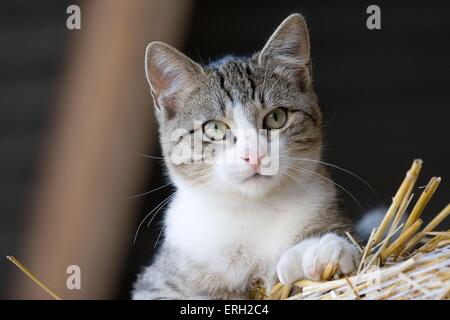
(230,226)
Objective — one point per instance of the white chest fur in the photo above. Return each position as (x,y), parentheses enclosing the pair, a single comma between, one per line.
(237,238)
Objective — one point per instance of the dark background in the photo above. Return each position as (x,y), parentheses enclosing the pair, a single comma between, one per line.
(384,94)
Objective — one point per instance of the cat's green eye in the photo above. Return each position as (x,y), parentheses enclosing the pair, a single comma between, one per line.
(215,130)
(275,119)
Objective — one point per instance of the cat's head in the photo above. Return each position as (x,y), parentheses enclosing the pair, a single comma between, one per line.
(239,125)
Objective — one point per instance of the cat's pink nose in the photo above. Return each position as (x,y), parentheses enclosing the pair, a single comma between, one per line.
(253,160)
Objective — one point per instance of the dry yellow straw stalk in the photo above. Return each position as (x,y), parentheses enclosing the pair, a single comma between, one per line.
(405,236)
(392,267)
(329,271)
(422,202)
(430,227)
(32,277)
(405,187)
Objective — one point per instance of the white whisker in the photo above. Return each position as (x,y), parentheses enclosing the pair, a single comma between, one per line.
(331,181)
(162,203)
(159,235)
(342,169)
(148,192)
(303,185)
(149,157)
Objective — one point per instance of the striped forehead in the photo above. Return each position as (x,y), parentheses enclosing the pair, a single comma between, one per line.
(239,88)
(237,80)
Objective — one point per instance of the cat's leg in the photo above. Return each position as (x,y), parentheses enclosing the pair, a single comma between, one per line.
(308,259)
(155,284)
(166,278)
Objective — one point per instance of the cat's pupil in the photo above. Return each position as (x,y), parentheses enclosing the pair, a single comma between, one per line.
(275,117)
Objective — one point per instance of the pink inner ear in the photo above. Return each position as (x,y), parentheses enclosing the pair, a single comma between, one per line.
(171,75)
(159,81)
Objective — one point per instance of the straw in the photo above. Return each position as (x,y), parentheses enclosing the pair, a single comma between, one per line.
(391,266)
(422,202)
(32,277)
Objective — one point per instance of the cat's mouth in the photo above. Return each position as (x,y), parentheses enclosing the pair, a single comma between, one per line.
(255,177)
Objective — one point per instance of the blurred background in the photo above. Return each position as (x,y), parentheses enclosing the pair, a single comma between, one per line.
(75,112)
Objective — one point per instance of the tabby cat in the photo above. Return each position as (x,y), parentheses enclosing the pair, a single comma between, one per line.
(243,212)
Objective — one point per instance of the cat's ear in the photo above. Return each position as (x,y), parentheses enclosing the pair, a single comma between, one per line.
(171,75)
(288,47)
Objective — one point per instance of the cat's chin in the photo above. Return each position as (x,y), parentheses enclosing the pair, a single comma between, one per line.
(256,186)
(254,178)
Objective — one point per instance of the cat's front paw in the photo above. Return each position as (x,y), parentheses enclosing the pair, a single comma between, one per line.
(331,249)
(309,258)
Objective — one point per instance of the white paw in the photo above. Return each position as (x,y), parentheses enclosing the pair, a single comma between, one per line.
(330,249)
(308,259)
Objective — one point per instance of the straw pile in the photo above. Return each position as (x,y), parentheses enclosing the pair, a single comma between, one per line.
(399,261)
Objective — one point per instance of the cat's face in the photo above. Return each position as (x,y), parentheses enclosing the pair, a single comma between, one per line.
(239,125)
